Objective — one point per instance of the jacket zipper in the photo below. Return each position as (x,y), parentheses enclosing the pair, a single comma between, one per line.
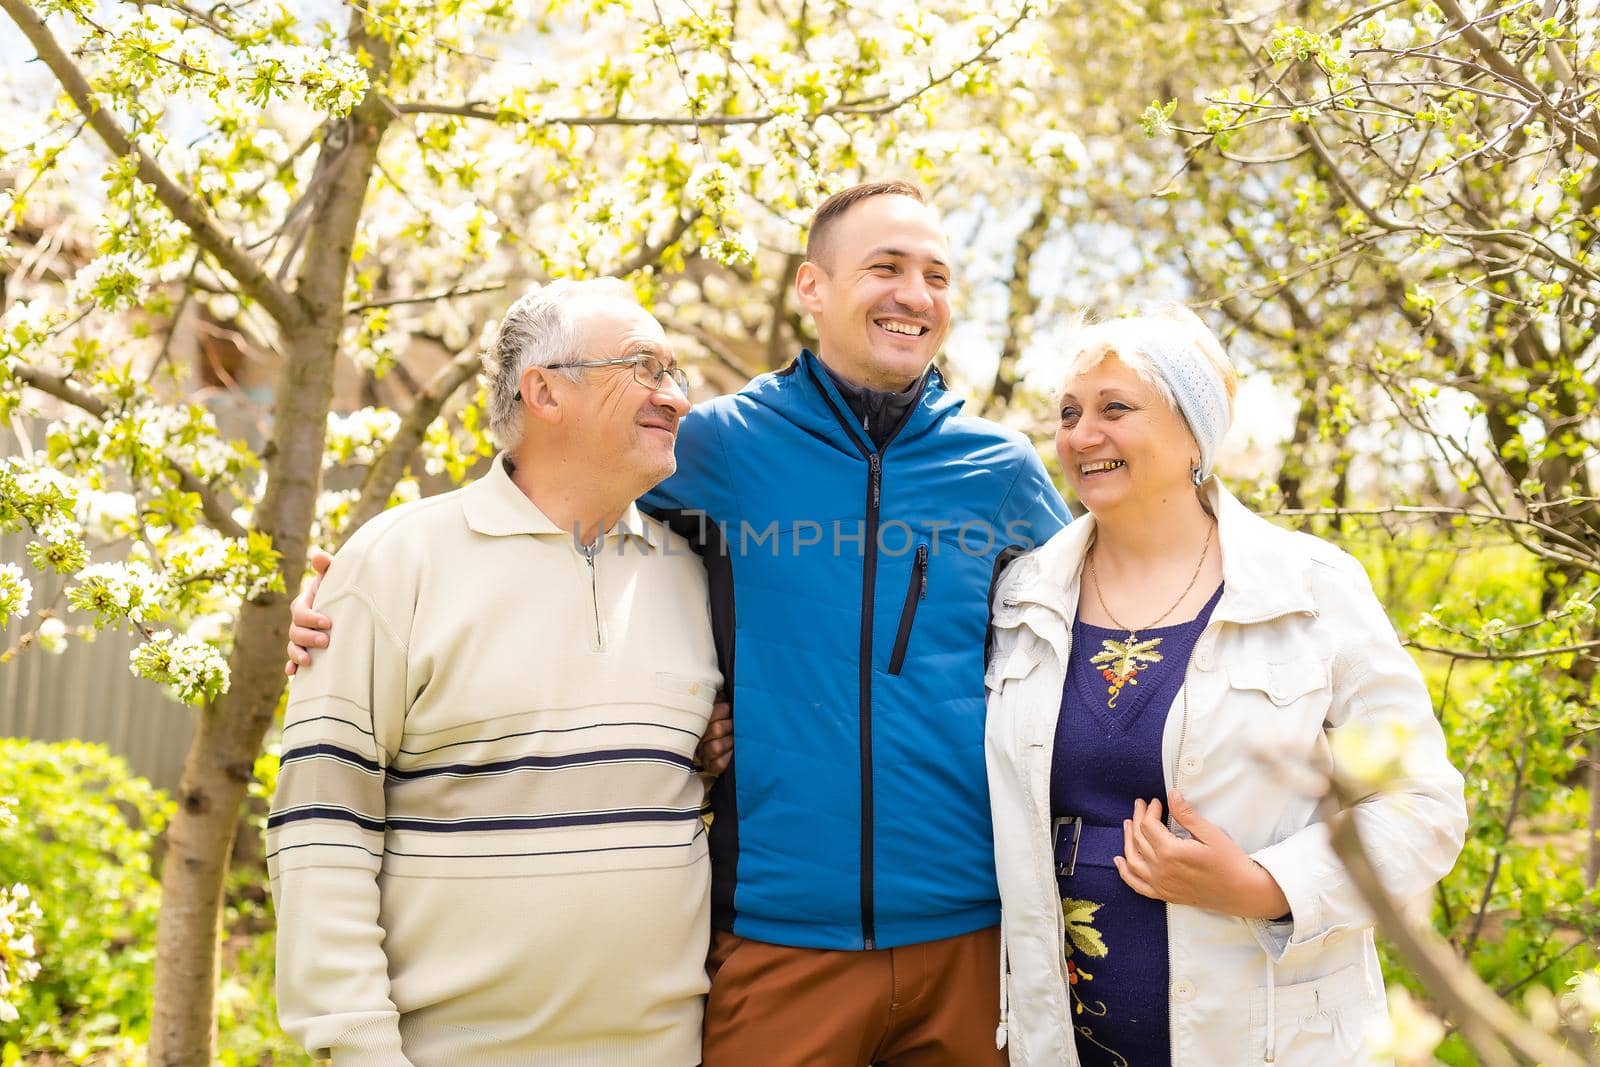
(916,591)
(594,593)
(869,585)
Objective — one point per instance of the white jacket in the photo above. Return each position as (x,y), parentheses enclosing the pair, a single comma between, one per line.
(1297,649)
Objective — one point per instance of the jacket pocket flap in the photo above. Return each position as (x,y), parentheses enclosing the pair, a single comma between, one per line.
(1008,665)
(1282,683)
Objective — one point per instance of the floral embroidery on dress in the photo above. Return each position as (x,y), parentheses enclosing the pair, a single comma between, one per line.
(1083,939)
(1079,915)
(1121,661)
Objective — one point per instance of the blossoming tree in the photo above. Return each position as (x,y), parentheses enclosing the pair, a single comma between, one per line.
(352,186)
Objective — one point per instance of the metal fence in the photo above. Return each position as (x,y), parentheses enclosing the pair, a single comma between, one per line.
(86,691)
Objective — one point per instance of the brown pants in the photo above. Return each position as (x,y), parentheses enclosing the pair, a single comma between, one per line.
(934,1004)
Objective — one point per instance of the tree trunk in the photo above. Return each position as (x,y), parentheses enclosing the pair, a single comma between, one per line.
(221,758)
(1021,306)
(218,768)
(1592,866)
(1291,475)
(216,774)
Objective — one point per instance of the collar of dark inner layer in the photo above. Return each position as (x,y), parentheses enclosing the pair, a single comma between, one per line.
(878,412)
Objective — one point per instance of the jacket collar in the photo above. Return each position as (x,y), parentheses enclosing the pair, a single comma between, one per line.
(828,412)
(1263,573)
(495,507)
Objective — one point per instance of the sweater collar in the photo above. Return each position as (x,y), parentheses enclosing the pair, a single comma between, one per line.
(495,507)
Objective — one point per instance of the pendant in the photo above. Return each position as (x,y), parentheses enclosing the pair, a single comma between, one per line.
(1121,661)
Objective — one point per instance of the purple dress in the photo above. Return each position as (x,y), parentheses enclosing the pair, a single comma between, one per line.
(1107,754)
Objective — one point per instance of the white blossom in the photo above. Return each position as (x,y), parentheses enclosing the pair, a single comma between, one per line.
(1585,996)
(107,515)
(116,590)
(360,436)
(52,636)
(19,914)
(1375,754)
(16,592)
(193,670)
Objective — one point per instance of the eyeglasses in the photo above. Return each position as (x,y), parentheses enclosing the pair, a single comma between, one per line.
(648,371)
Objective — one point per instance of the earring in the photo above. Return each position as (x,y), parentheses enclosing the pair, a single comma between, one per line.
(1195,475)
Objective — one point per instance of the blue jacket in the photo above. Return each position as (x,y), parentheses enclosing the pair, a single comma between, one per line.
(850,591)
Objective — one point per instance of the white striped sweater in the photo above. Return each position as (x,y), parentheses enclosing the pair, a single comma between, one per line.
(486,845)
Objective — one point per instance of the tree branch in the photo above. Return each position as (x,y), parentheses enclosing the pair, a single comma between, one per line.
(649,253)
(780,302)
(61,387)
(449,294)
(1499,853)
(1532,653)
(385,472)
(186,208)
(1496,1033)
(1509,73)
(712,344)
(867,108)
(1592,564)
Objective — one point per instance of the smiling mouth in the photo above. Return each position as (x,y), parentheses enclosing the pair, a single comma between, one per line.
(1103,467)
(904,329)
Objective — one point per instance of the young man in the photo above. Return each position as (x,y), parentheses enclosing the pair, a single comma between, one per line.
(853,523)
(486,845)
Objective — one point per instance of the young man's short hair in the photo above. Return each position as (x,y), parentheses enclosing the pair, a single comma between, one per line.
(833,208)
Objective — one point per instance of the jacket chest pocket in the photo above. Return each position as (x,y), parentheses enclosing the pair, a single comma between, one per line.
(1278,709)
(1298,684)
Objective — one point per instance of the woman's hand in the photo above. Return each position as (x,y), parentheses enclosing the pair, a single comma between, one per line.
(1206,870)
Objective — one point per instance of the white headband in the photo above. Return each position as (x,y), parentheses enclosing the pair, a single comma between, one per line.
(1202,396)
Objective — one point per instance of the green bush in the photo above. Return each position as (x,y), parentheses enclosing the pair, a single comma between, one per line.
(81,842)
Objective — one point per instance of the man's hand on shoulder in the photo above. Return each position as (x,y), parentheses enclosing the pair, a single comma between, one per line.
(308,629)
(716,744)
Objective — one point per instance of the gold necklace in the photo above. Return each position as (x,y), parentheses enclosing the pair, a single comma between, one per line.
(1120,662)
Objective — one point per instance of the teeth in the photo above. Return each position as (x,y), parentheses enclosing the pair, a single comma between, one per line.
(1106,465)
(899,327)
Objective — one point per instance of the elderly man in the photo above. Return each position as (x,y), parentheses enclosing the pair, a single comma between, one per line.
(853,523)
(486,846)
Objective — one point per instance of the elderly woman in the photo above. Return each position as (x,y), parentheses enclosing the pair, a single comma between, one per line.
(1164,671)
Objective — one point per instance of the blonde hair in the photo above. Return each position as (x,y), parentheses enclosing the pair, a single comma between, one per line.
(1175,354)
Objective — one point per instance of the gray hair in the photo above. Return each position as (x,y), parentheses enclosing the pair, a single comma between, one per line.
(537,331)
